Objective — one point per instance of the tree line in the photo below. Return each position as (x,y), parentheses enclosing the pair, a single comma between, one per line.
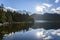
(9,16)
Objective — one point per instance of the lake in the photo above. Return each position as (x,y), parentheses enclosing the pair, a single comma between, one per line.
(34,34)
(40,30)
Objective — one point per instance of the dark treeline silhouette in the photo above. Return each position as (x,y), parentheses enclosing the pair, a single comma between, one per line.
(47,16)
(13,16)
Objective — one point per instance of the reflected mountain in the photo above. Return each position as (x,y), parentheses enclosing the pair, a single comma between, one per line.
(47,24)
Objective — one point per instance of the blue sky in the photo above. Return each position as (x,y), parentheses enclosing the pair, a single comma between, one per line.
(33,5)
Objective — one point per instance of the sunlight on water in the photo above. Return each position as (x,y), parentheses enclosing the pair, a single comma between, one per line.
(35,34)
(41,21)
(39,34)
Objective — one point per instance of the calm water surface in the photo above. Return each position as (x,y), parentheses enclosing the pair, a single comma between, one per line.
(34,34)
(39,31)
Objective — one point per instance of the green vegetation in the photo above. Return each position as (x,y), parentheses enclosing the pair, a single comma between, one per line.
(14,21)
(14,28)
(13,16)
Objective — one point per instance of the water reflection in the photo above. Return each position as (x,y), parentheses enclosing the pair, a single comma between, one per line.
(34,34)
(39,34)
(28,31)
(47,24)
(12,28)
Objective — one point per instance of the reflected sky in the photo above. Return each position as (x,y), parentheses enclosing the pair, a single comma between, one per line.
(34,34)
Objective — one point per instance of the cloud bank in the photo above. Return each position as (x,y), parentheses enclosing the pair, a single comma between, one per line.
(56,10)
(56,1)
(47,5)
(12,9)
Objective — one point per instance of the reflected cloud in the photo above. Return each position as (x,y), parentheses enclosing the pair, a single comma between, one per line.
(10,34)
(35,34)
(39,34)
(48,38)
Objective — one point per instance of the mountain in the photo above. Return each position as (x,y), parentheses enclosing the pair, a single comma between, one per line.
(46,16)
(37,16)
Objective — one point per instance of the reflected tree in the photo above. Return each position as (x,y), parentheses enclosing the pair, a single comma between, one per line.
(14,28)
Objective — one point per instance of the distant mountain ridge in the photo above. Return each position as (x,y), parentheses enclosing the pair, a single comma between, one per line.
(47,16)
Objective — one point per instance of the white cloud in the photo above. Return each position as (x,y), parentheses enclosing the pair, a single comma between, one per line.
(40,8)
(53,10)
(56,10)
(12,9)
(56,1)
(47,5)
